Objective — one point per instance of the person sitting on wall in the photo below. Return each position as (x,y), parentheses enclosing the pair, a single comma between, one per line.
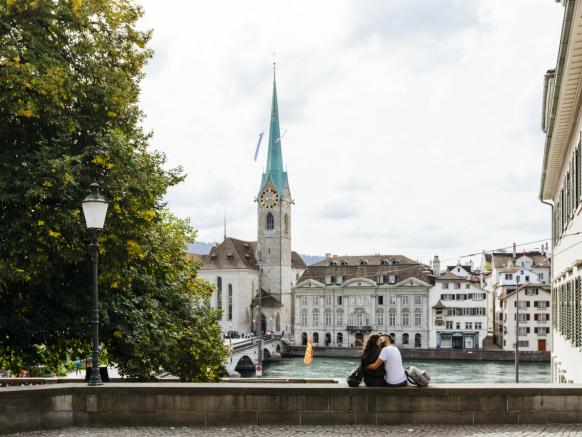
(392,360)
(373,377)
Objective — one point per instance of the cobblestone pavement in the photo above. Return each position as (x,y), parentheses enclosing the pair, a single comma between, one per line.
(343,430)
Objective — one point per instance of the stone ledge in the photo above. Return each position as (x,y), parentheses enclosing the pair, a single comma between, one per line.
(154,404)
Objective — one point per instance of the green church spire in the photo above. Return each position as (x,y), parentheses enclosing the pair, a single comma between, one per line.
(274,170)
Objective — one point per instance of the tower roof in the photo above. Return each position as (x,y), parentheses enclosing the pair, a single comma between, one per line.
(274,171)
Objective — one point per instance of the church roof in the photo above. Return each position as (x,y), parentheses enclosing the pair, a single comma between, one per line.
(233,253)
(405,269)
(274,171)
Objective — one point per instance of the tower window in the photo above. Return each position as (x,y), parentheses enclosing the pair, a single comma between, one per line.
(270,222)
(286,223)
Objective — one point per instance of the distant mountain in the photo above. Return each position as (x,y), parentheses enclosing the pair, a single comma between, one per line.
(203,248)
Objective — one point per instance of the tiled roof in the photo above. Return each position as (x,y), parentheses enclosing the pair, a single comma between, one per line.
(439,305)
(237,254)
(406,269)
(372,260)
(449,276)
(501,259)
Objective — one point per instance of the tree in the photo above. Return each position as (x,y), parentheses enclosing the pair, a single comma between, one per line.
(69,86)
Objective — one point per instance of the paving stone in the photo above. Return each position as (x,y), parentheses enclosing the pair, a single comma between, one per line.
(555,430)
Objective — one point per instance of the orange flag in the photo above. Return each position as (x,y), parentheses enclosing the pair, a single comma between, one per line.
(308,352)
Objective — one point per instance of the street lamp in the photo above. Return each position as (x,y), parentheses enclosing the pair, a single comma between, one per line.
(94,210)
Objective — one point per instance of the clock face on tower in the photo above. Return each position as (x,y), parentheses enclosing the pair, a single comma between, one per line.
(269,198)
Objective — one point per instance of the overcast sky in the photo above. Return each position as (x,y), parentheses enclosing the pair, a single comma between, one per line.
(413,127)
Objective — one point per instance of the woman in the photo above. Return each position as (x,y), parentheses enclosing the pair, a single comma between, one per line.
(375,377)
(390,360)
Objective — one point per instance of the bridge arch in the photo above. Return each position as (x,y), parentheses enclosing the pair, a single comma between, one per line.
(244,363)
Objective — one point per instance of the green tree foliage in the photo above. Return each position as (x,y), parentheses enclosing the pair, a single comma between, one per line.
(69,85)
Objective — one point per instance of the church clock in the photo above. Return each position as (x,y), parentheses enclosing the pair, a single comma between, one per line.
(269,198)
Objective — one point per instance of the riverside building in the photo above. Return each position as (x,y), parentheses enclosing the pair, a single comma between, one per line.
(561,189)
(238,269)
(341,300)
(458,310)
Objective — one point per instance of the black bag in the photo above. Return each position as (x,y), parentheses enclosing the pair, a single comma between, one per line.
(355,378)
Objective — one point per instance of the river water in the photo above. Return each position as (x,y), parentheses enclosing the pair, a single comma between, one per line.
(441,371)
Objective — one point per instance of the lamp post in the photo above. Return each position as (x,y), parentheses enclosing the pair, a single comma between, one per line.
(94,210)
(517,328)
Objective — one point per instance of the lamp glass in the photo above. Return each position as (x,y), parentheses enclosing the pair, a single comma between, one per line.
(95,211)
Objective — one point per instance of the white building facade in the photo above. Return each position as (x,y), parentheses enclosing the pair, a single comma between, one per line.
(340,301)
(533,304)
(458,310)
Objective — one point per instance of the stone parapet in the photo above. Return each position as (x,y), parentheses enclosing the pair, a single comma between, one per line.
(179,404)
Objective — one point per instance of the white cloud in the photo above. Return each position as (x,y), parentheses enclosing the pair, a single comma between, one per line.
(419,121)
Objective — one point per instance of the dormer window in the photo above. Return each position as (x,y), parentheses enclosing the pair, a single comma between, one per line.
(344,262)
(394,262)
(384,262)
(380,279)
(229,256)
(363,262)
(333,263)
(392,279)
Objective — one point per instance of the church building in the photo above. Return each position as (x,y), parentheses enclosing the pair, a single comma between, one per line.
(239,269)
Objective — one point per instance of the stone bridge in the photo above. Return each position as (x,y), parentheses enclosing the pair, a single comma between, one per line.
(244,353)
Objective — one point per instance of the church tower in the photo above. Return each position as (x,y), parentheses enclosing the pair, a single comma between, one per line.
(274,222)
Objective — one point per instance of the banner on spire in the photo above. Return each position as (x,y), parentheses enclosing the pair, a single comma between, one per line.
(259,144)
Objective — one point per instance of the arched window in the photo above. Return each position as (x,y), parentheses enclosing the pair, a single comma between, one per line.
(339,317)
(404,338)
(417,340)
(270,222)
(286,224)
(327,338)
(219,292)
(316,337)
(304,338)
(393,335)
(340,338)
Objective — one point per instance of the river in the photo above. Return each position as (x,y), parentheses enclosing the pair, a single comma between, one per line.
(441,371)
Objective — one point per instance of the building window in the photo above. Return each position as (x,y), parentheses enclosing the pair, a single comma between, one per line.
(359,319)
(445,285)
(339,318)
(328,300)
(417,340)
(447,296)
(457,285)
(286,223)
(405,319)
(304,301)
(380,300)
(339,280)
(229,301)
(478,325)
(344,263)
(392,279)
(417,300)
(316,337)
(380,279)
(405,338)
(327,319)
(405,300)
(219,293)
(449,324)
(380,319)
(467,286)
(417,319)
(315,300)
(458,325)
(304,317)
(541,276)
(523,330)
(392,319)
(315,318)
(468,325)
(392,300)
(340,338)
(270,222)
(340,300)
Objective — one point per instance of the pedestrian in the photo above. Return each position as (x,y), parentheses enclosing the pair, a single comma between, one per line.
(392,360)
(371,352)
(77,366)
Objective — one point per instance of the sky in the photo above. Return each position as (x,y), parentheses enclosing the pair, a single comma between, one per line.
(413,127)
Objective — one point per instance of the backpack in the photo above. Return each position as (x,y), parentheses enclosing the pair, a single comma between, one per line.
(417,377)
(356,377)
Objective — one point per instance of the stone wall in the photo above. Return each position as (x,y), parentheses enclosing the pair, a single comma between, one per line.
(426,354)
(56,406)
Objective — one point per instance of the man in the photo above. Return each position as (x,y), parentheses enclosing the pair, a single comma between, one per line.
(392,360)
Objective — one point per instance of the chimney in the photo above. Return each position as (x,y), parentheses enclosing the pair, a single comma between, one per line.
(436,266)
(328,255)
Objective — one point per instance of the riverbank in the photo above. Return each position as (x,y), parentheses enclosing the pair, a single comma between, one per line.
(427,354)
